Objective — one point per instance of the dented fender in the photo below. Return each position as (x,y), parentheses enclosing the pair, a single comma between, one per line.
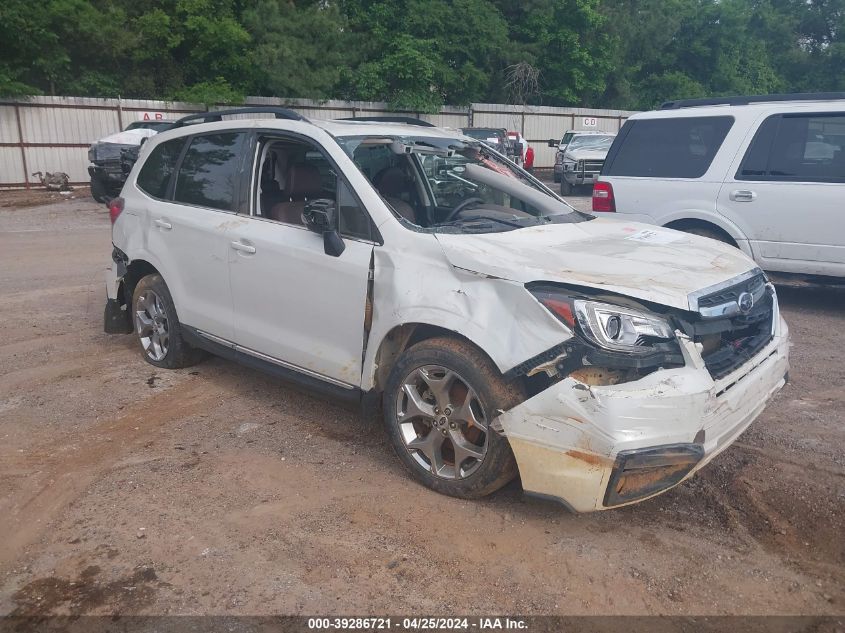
(498,316)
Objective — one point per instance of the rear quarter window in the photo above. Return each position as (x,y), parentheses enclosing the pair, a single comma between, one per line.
(155,174)
(681,147)
(209,171)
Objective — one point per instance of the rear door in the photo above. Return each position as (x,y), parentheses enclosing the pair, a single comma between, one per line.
(187,224)
(663,169)
(787,191)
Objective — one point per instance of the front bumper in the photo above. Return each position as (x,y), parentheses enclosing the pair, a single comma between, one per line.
(569,440)
(111,174)
(577,176)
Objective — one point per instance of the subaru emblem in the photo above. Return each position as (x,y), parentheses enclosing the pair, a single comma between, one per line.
(745,302)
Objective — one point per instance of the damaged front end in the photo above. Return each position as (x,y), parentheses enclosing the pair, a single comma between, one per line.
(641,396)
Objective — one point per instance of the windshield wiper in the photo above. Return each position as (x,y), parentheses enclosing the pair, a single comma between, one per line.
(475,218)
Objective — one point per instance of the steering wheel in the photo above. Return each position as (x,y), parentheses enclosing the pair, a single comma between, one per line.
(460,207)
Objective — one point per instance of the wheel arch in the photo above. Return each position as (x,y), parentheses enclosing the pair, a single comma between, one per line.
(689,223)
(403,336)
(696,215)
(136,270)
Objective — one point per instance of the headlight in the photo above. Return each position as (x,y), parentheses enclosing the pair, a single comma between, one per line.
(92,154)
(580,165)
(612,327)
(620,328)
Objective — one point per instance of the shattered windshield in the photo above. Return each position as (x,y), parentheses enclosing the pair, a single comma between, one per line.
(455,185)
(593,141)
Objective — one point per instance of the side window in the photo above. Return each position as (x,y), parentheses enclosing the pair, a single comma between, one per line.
(681,147)
(797,148)
(209,171)
(293,172)
(155,174)
(756,159)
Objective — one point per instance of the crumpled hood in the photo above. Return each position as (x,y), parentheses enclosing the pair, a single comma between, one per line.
(637,260)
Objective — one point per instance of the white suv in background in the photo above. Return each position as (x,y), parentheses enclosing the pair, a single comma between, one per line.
(417,272)
(765,173)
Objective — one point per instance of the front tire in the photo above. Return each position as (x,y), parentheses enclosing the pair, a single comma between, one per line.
(439,402)
(565,188)
(98,189)
(157,326)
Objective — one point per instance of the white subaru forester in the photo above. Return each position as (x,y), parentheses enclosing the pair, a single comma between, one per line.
(421,274)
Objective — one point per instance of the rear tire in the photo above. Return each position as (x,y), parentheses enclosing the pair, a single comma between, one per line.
(713,234)
(157,326)
(439,401)
(98,189)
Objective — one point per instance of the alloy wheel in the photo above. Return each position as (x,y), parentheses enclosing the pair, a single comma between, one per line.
(442,422)
(151,325)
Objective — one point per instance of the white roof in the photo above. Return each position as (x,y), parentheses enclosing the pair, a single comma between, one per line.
(751,109)
(375,128)
(590,132)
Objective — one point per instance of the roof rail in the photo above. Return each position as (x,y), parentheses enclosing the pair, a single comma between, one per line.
(798,96)
(217,115)
(409,120)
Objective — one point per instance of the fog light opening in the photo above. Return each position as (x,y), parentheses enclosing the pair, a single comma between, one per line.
(641,473)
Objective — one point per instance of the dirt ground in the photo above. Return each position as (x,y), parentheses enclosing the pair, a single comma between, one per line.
(217,490)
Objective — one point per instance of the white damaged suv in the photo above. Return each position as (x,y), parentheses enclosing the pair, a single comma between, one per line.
(420,274)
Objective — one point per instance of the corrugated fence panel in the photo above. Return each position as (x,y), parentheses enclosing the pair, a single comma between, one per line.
(11,167)
(65,126)
(8,125)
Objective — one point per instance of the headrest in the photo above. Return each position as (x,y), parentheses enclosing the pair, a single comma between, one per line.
(303,181)
(391,182)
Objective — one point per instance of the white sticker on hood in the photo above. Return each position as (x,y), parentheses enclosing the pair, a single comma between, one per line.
(655,237)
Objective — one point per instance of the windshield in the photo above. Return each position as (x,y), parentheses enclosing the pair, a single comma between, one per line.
(455,185)
(591,140)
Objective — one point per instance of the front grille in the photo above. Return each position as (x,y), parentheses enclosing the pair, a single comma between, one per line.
(753,285)
(593,166)
(730,341)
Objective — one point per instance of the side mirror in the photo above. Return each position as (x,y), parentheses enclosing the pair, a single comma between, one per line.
(321,217)
(552,142)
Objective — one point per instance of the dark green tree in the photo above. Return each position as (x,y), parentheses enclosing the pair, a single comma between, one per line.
(421,54)
(298,49)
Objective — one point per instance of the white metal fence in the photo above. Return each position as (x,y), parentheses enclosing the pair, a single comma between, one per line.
(53,133)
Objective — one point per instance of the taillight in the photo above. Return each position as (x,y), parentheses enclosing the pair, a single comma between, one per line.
(603,197)
(115,208)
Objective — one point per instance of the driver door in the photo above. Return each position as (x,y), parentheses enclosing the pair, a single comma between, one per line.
(294,305)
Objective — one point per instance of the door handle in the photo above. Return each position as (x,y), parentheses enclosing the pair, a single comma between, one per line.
(743,195)
(243,248)
(164,224)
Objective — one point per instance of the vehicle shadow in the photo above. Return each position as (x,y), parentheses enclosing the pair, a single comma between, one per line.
(823,298)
